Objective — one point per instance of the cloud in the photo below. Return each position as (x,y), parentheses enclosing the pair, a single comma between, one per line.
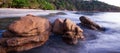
(112,2)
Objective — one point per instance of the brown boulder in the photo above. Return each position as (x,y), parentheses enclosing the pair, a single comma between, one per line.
(29,25)
(72,32)
(26,33)
(89,23)
(69,30)
(58,26)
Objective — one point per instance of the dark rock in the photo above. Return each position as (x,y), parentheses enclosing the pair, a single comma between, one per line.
(24,47)
(54,14)
(89,23)
(61,13)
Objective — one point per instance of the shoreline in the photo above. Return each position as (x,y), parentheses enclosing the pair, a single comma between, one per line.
(13,12)
(18,12)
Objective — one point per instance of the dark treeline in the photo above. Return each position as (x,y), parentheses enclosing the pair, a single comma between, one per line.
(80,5)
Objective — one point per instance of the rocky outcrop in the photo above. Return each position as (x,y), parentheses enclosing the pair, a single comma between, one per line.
(69,30)
(89,23)
(26,33)
(31,31)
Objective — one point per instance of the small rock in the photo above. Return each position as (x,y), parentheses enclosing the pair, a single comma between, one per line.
(61,13)
(89,23)
(58,26)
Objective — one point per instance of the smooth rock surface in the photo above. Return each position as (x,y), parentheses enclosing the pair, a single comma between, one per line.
(29,25)
(89,23)
(58,27)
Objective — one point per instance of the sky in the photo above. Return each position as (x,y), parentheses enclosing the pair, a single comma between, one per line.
(112,2)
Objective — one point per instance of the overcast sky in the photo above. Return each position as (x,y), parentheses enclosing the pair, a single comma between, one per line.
(112,2)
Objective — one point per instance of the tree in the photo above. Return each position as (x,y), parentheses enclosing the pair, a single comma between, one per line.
(20,3)
(44,4)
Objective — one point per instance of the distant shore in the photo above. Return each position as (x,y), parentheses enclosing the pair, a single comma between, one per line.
(13,12)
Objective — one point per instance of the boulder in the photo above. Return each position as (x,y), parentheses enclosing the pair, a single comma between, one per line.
(58,26)
(72,32)
(69,31)
(26,33)
(89,23)
(29,25)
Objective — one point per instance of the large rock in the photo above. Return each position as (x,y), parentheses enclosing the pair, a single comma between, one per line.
(72,32)
(69,30)
(89,23)
(29,26)
(26,33)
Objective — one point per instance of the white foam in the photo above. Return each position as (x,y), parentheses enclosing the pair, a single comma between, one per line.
(9,12)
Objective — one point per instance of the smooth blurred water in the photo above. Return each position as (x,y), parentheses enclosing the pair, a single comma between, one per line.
(105,42)
(96,42)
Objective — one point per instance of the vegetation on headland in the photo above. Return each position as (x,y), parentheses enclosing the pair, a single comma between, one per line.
(79,5)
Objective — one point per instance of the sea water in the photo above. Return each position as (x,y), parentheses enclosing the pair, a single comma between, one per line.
(96,41)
